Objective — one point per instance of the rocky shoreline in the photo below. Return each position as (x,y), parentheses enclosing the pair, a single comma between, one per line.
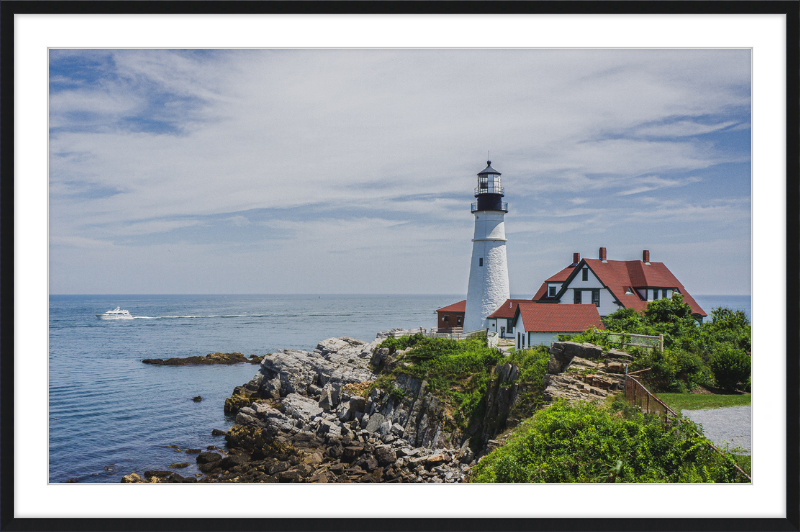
(305,417)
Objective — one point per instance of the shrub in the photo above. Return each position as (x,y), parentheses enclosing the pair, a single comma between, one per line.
(586,443)
(731,366)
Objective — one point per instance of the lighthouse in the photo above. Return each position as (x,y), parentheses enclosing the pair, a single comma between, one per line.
(488,270)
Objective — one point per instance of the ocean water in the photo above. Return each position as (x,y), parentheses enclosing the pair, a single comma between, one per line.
(709,303)
(110,415)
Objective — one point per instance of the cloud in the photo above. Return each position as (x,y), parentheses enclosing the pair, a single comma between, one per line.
(381,147)
(650,183)
(682,128)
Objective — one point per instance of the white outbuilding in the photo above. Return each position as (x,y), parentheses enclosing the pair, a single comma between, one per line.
(541,323)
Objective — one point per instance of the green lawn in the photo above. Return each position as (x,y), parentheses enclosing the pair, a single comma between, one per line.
(687,401)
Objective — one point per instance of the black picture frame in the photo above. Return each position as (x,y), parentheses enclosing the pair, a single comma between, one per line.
(9,9)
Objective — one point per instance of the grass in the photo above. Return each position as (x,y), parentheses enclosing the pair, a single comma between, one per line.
(685,401)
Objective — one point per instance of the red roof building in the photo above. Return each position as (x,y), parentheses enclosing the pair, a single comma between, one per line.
(614,284)
(535,323)
(451,317)
(502,319)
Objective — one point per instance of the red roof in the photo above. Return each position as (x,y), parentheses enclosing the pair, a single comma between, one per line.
(461,306)
(545,317)
(620,275)
(560,277)
(507,309)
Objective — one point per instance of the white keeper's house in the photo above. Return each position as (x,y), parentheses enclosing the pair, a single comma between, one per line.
(611,285)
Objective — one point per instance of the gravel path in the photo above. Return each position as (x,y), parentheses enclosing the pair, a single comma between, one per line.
(722,425)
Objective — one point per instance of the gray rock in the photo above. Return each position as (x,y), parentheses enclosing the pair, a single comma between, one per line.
(299,407)
(374,423)
(386,428)
(397,430)
(336,360)
(329,397)
(364,421)
(357,403)
(248,421)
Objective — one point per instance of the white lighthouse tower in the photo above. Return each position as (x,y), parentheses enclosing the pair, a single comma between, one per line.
(488,271)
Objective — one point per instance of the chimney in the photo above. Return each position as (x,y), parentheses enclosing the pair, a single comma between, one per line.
(603,254)
(576,258)
(646,256)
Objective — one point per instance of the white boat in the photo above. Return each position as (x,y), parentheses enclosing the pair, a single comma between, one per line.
(115,314)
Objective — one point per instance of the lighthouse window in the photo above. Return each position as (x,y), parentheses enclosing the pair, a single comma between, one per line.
(480,261)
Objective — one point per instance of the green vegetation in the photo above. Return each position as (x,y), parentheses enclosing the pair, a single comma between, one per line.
(589,443)
(684,401)
(532,365)
(744,461)
(711,354)
(730,366)
(459,372)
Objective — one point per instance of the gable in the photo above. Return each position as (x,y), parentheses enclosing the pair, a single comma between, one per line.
(620,277)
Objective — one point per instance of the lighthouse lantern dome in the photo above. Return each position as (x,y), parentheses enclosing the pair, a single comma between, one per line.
(489,191)
(489,181)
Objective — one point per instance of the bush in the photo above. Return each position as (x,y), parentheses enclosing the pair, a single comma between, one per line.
(586,443)
(689,346)
(731,366)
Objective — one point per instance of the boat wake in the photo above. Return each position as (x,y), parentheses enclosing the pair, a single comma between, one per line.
(201,317)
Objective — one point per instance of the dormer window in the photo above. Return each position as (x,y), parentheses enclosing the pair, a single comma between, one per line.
(551,291)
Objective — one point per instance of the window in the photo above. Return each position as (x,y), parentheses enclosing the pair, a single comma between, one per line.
(596,297)
(445,318)
(585,273)
(480,261)
(458,320)
(552,291)
(577,300)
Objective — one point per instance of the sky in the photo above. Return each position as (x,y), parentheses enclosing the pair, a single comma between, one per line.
(352,171)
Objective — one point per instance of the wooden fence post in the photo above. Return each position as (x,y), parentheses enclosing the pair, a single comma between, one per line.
(661,342)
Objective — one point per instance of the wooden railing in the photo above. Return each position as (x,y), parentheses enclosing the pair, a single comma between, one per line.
(637,395)
(635,340)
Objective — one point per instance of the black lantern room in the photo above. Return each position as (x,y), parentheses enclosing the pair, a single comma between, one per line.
(489,191)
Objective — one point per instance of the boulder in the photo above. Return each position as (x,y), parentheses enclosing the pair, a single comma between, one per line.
(329,397)
(351,452)
(385,455)
(231,461)
(132,478)
(208,457)
(375,422)
(299,407)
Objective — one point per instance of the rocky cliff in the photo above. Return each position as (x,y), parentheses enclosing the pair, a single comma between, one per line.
(305,417)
